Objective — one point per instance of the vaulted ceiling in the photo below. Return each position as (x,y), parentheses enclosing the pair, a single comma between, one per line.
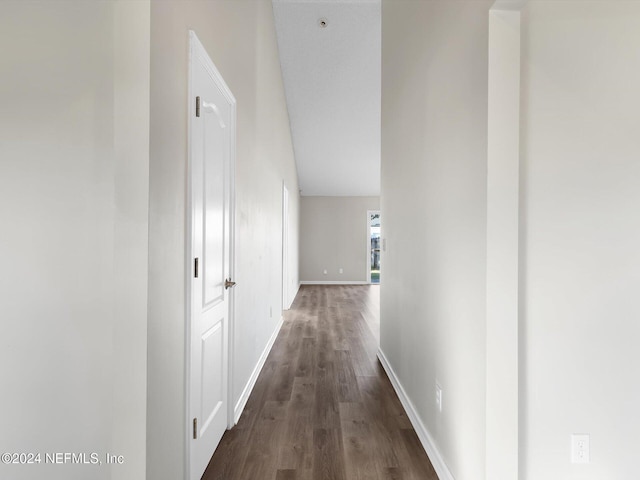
(330,53)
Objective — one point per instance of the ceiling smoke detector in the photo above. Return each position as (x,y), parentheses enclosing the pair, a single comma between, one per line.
(322,22)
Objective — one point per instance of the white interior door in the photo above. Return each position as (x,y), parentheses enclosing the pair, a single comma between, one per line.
(211,139)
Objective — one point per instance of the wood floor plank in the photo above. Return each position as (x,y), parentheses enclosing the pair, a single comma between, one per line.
(302,397)
(296,449)
(392,473)
(410,452)
(310,325)
(328,454)
(262,458)
(293,474)
(325,412)
(306,357)
(359,450)
(286,475)
(230,453)
(346,378)
(322,407)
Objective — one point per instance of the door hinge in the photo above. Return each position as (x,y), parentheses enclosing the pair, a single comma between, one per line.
(195,268)
(197,106)
(195,428)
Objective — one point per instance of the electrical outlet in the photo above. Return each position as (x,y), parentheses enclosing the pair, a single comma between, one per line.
(580,448)
(439,397)
(340,271)
(270,312)
(324,271)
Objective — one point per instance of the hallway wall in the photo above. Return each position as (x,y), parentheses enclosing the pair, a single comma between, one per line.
(433,203)
(578,241)
(580,238)
(333,235)
(74,160)
(240,39)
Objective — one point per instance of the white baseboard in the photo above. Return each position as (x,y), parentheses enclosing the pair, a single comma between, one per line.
(423,434)
(242,401)
(333,282)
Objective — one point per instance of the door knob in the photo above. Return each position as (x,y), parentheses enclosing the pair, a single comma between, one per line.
(228,283)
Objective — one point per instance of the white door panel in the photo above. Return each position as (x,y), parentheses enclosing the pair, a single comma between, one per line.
(212,375)
(214,255)
(210,147)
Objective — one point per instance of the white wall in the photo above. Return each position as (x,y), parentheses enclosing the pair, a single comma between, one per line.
(333,235)
(73,241)
(433,203)
(580,262)
(240,39)
(576,255)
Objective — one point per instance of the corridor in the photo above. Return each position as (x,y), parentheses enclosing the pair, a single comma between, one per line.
(323,407)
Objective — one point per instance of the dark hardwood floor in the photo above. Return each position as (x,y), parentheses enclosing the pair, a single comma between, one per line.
(323,407)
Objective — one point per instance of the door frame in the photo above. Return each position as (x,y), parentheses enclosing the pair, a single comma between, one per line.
(199,53)
(369,213)
(286,303)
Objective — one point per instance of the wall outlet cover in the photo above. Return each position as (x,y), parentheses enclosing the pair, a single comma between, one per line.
(580,448)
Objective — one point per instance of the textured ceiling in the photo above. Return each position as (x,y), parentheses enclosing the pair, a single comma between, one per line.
(332,84)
